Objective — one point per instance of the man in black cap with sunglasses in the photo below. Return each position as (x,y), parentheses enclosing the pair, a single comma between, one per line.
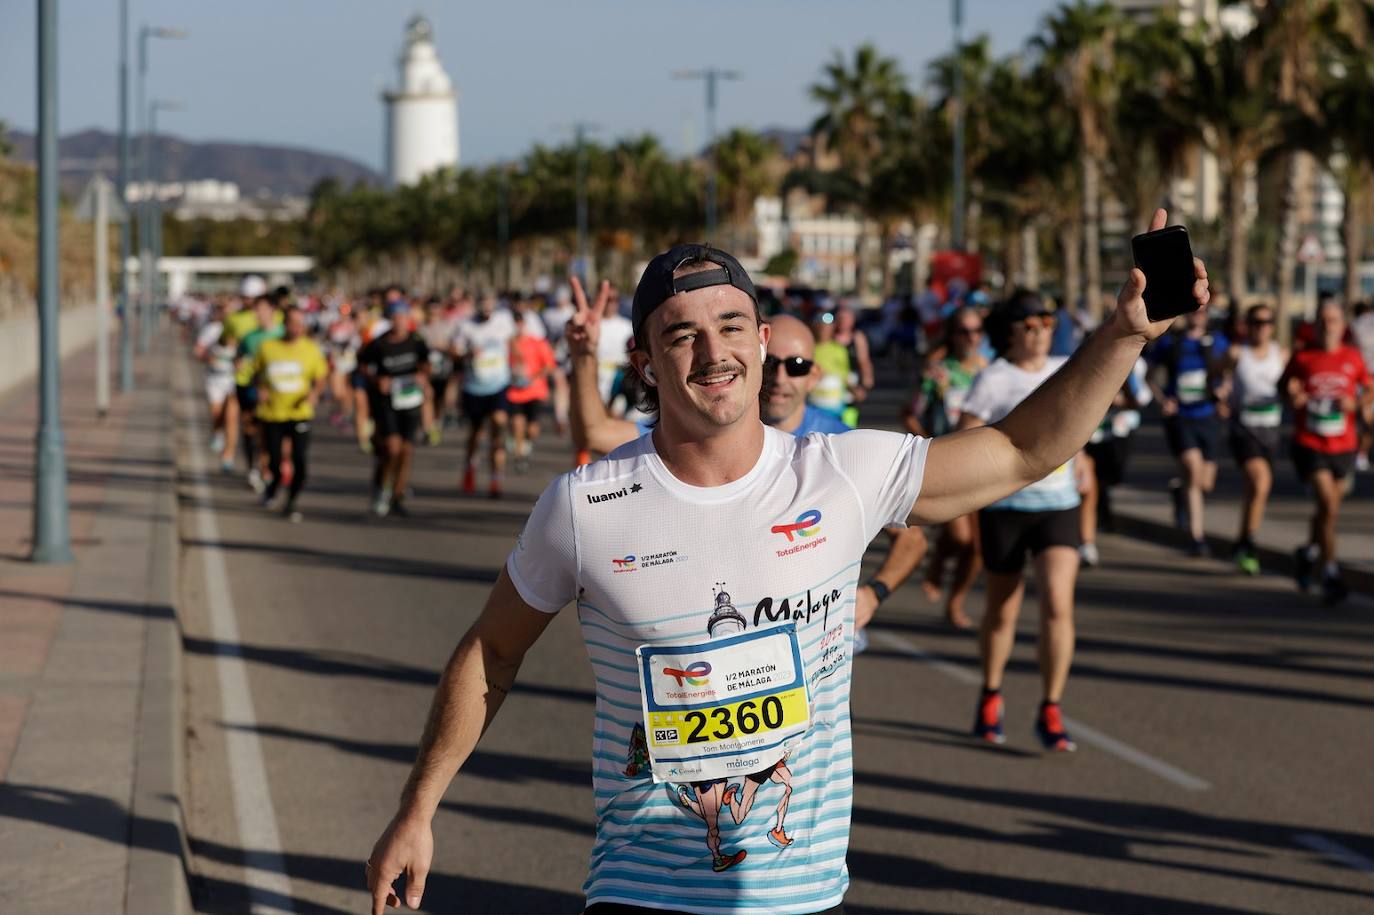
(738,698)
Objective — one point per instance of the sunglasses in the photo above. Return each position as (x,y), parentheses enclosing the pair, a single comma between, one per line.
(795,366)
(968,331)
(1260,322)
(1043,322)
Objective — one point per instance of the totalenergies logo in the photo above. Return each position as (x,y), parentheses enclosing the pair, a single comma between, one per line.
(626,564)
(808,524)
(694,675)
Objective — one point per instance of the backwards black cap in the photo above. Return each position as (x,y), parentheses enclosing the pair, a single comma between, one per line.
(658,284)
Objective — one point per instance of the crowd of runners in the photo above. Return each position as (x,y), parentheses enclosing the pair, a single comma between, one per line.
(396,371)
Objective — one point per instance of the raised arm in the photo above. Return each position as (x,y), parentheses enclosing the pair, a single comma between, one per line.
(976,467)
(475,682)
(593,426)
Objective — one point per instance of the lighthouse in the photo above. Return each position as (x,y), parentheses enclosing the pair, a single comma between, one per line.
(421,115)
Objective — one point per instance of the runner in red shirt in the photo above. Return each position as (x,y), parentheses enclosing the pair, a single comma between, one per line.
(1325,384)
(531,363)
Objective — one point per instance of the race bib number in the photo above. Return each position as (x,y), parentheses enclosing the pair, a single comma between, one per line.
(490,366)
(286,377)
(406,393)
(1325,418)
(1261,416)
(722,708)
(1192,386)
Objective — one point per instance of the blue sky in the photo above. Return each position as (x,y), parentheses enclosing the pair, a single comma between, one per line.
(309,72)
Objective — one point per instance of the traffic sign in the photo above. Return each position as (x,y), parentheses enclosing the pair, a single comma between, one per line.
(86,203)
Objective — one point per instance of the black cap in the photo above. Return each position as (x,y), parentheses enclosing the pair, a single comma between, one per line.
(658,285)
(1022,305)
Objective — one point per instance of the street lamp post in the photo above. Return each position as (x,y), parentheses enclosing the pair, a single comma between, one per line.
(957,217)
(154,201)
(145,241)
(51,538)
(580,130)
(126,230)
(711,75)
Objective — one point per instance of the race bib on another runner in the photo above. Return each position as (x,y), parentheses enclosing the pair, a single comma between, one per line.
(406,393)
(1192,386)
(1325,418)
(1057,480)
(1261,416)
(286,377)
(829,393)
(723,708)
(954,404)
(490,366)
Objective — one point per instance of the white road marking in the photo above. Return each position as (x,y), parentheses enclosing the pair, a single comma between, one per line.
(1081,732)
(1335,851)
(269,886)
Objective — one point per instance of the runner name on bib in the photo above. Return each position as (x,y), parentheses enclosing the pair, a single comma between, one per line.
(1192,386)
(1261,415)
(728,707)
(1325,418)
(406,393)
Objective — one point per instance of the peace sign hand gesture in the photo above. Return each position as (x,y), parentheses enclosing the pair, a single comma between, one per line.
(584,327)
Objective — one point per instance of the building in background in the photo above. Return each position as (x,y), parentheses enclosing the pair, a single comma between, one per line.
(422,114)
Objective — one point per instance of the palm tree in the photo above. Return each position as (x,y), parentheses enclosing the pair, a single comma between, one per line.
(1229,95)
(747,166)
(857,103)
(1080,45)
(1346,101)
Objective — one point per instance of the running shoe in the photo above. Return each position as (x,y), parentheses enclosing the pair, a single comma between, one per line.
(1247,561)
(365,445)
(987,724)
(226,466)
(731,795)
(1334,590)
(725,862)
(256,482)
(382,504)
(290,513)
(435,435)
(1088,553)
(470,481)
(1049,727)
(398,508)
(1362,463)
(217,443)
(779,838)
(1302,568)
(1199,549)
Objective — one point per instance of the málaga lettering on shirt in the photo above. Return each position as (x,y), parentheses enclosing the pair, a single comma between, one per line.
(800,612)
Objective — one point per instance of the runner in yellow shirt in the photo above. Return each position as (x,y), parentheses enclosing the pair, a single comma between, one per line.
(290,374)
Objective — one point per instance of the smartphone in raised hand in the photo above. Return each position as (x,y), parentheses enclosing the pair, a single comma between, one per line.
(1166,259)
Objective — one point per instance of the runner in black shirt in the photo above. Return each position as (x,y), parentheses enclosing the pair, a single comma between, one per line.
(397,368)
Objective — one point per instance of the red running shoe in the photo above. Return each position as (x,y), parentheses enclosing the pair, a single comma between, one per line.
(987,723)
(470,481)
(1049,727)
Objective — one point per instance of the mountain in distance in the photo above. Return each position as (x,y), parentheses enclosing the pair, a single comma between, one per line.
(258,170)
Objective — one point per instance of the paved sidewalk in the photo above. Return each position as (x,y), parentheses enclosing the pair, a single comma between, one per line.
(90,719)
(1144,509)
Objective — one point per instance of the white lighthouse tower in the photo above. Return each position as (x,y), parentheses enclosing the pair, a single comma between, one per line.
(422,115)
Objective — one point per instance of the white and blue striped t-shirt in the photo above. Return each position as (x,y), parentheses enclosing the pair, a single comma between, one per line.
(995,393)
(652,560)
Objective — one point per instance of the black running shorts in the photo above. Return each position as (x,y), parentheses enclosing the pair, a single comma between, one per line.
(1249,442)
(1307,461)
(1007,536)
(1185,433)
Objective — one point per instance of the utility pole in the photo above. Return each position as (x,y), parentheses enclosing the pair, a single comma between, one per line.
(51,537)
(711,75)
(126,231)
(957,217)
(155,201)
(145,241)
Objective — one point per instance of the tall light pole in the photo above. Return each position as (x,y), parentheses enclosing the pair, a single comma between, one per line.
(957,217)
(580,131)
(126,230)
(711,75)
(155,202)
(51,538)
(145,241)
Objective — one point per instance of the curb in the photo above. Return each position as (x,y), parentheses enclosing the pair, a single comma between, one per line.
(1272,559)
(159,854)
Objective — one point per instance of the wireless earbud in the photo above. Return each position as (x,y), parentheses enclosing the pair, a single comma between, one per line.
(763,351)
(649,374)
